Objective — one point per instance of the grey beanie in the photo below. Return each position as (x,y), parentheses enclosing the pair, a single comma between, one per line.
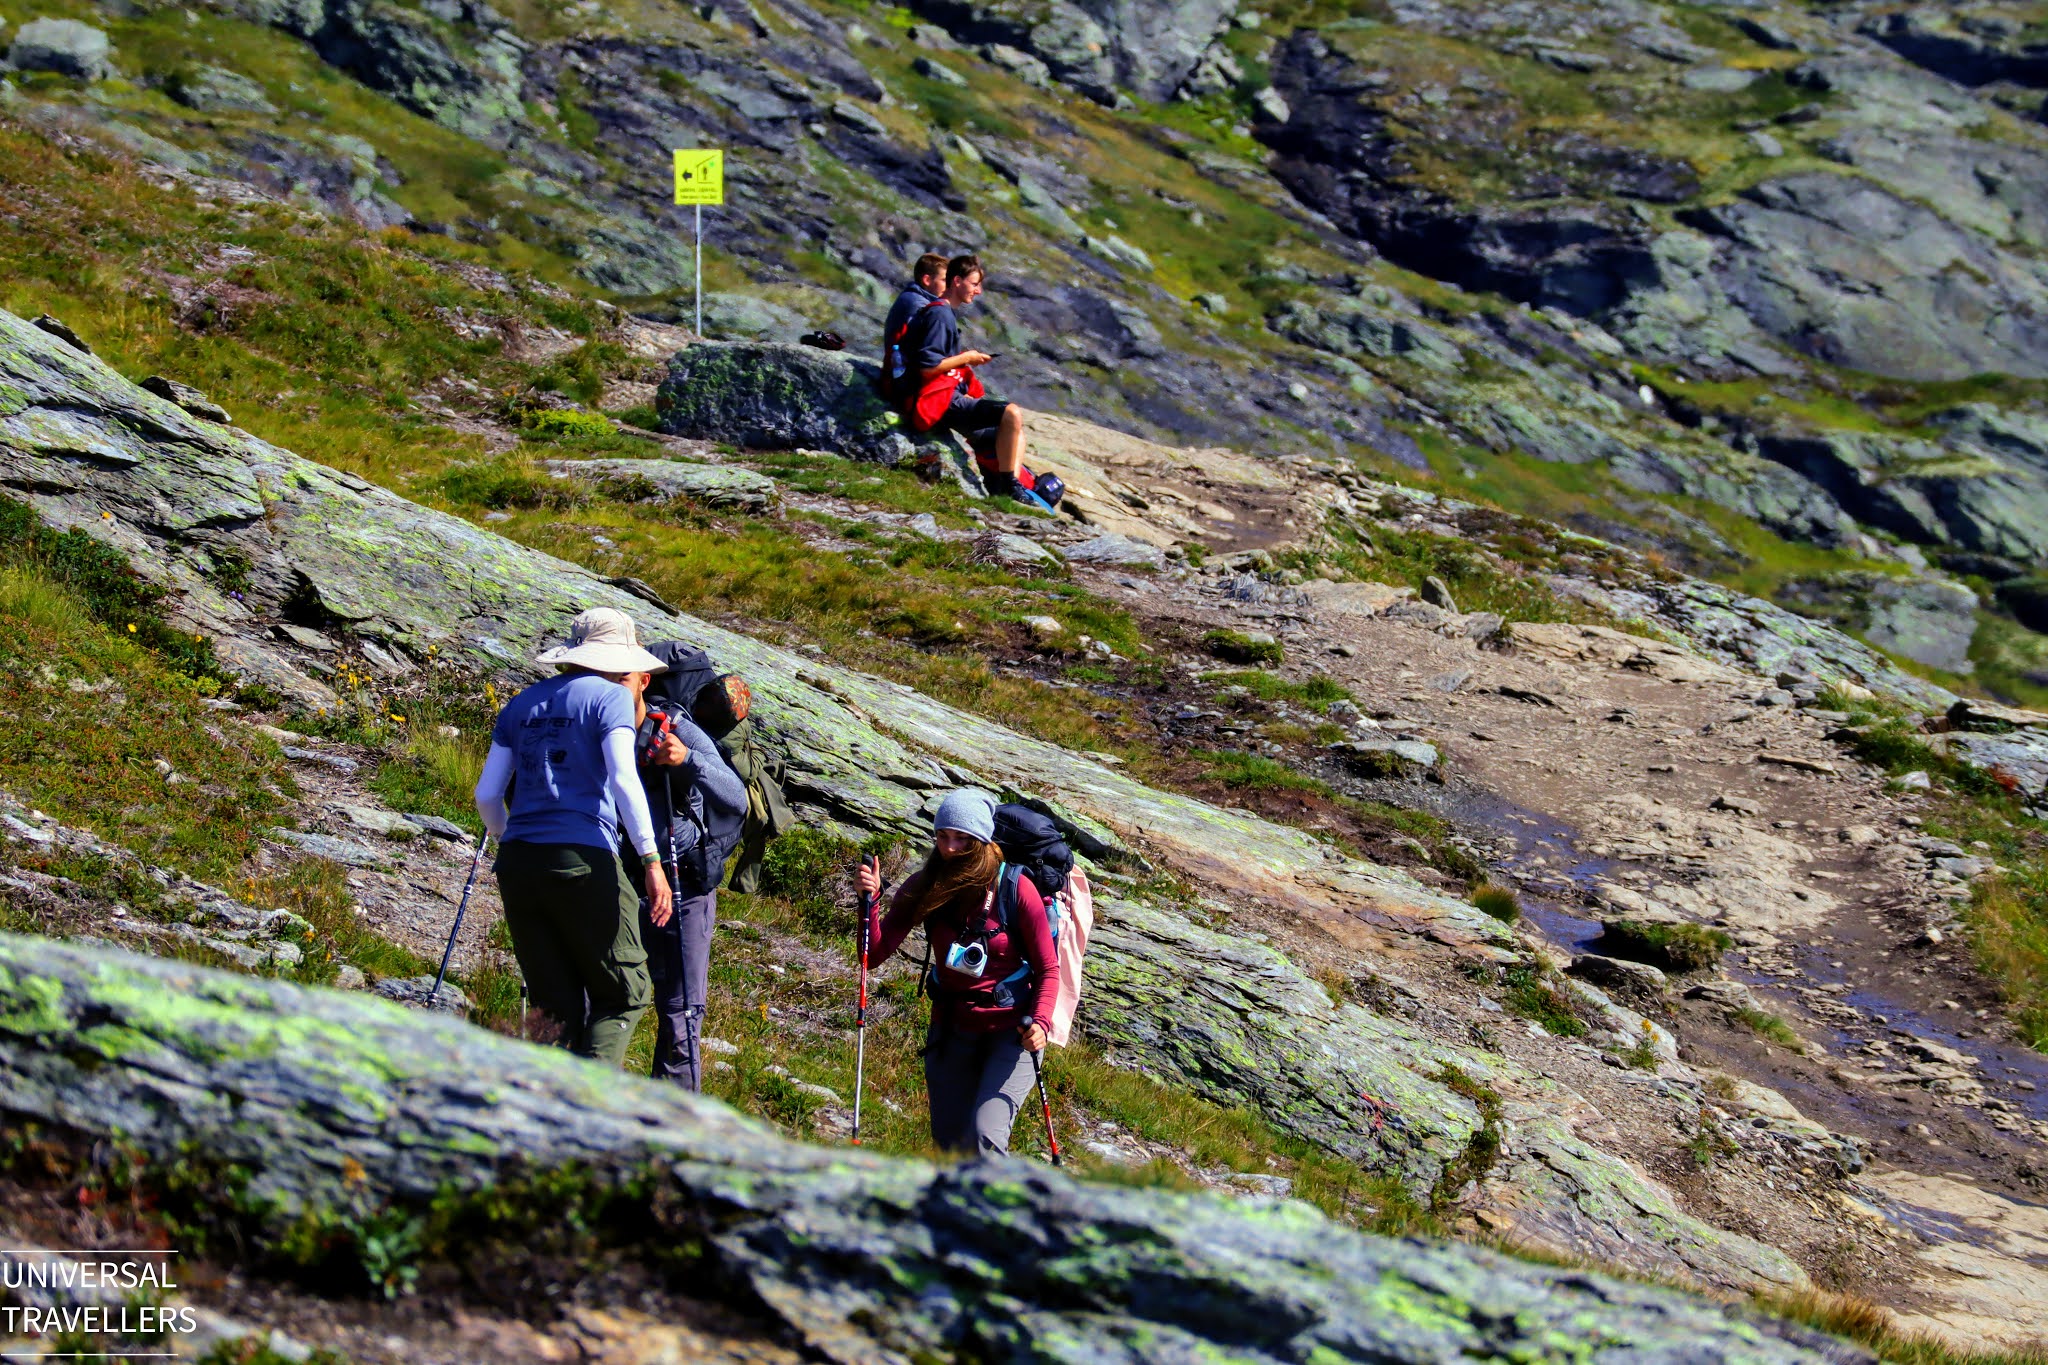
(970,812)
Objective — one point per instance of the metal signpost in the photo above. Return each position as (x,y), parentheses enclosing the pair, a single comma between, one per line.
(700,180)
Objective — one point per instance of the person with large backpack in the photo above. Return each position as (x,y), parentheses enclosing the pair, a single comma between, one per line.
(994,976)
(699,809)
(722,706)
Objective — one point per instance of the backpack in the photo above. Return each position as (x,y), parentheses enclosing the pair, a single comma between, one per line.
(1031,841)
(702,867)
(890,381)
(677,686)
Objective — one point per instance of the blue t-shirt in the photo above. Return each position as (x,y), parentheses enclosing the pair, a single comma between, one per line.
(555,730)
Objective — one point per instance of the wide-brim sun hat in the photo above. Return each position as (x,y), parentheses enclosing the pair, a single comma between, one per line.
(602,639)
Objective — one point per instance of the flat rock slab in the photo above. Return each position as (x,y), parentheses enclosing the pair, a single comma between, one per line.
(1111,548)
(344,851)
(721,486)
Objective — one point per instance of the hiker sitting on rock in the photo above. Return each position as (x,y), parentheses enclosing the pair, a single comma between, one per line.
(927,282)
(994,973)
(573,913)
(949,395)
(699,808)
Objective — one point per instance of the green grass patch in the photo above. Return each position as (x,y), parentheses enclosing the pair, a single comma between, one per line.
(102,733)
(1529,993)
(1240,647)
(1498,901)
(1234,768)
(1769,1027)
(1317,691)
(434,774)
(1672,947)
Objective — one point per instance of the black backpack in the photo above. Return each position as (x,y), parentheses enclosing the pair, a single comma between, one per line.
(689,671)
(1032,841)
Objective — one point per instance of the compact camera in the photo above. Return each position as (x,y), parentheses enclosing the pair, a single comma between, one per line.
(968,959)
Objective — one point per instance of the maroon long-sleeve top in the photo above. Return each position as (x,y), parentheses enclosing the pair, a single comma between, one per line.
(967,1004)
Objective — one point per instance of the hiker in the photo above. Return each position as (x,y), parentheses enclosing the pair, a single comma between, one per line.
(722,705)
(994,974)
(699,808)
(949,396)
(927,281)
(573,913)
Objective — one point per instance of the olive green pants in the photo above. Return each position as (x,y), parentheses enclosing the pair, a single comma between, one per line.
(575,923)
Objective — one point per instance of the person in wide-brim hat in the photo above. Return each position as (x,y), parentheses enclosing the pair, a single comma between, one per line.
(602,640)
(573,912)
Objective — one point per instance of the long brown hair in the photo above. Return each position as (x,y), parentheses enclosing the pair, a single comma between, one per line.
(945,878)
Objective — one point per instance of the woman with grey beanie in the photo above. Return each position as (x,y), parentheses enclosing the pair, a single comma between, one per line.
(994,973)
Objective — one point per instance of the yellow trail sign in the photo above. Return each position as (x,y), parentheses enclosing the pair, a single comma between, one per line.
(700,176)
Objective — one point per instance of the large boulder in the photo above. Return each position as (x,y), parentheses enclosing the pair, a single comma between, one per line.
(1929,620)
(1095,46)
(331,1105)
(216,90)
(466,77)
(1983,53)
(1852,274)
(780,397)
(64,46)
(1982,488)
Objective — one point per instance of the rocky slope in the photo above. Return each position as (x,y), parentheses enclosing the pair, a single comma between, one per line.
(1780,262)
(331,560)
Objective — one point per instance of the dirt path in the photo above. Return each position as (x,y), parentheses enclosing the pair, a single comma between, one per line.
(1615,777)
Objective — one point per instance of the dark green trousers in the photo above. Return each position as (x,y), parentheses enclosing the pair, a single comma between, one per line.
(575,923)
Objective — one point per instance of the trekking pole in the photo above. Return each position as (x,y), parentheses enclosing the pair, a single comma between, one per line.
(1045,1105)
(860,1013)
(475,862)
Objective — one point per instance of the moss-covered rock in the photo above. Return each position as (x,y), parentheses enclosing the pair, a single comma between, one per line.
(324,1101)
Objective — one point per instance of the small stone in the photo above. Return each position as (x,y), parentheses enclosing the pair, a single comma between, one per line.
(1213,303)
(349,977)
(62,331)
(334,761)
(1437,593)
(1765,145)
(418,991)
(1741,805)
(342,851)
(439,828)
(1915,781)
(936,71)
(1044,627)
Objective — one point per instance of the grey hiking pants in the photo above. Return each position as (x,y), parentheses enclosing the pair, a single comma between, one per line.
(679,959)
(976,1082)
